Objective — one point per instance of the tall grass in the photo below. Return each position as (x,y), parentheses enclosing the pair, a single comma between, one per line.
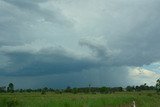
(79,100)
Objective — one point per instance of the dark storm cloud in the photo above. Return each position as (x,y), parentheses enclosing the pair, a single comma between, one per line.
(45,63)
(96,77)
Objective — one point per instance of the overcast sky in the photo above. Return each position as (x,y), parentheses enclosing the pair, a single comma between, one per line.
(60,43)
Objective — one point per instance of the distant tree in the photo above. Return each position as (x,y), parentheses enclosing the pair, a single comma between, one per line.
(137,88)
(158,85)
(118,89)
(38,90)
(2,89)
(45,89)
(152,88)
(68,89)
(130,88)
(21,90)
(89,88)
(51,89)
(29,90)
(103,90)
(75,90)
(144,87)
(58,91)
(10,88)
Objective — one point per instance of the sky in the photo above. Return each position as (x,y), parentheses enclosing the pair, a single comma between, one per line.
(60,43)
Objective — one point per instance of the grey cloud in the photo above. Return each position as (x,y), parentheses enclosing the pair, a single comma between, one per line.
(23,4)
(97,49)
(45,63)
(34,8)
(25,23)
(30,5)
(135,35)
(102,76)
(130,28)
(141,45)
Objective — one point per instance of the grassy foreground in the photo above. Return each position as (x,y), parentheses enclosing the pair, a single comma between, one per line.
(122,99)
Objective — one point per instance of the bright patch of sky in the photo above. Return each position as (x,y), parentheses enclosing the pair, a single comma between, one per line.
(153,67)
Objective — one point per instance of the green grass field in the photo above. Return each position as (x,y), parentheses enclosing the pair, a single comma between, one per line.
(121,99)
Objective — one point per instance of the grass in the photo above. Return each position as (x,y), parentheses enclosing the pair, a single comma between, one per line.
(121,99)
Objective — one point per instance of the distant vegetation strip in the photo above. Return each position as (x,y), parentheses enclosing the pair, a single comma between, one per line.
(51,99)
(89,89)
(143,95)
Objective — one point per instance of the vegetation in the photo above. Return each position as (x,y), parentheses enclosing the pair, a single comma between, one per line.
(143,95)
(158,85)
(51,99)
(10,88)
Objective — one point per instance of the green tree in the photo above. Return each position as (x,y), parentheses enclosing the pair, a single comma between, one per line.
(10,88)
(103,89)
(130,88)
(75,90)
(68,89)
(158,85)
(2,89)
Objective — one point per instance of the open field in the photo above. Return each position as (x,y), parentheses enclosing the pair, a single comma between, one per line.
(121,99)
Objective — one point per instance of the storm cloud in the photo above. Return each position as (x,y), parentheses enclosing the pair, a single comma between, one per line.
(108,42)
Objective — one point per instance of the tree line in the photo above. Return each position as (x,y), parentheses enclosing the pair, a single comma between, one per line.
(89,89)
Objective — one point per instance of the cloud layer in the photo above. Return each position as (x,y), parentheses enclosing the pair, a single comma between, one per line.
(71,38)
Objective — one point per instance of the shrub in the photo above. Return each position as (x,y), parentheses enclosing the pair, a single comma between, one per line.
(10,102)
